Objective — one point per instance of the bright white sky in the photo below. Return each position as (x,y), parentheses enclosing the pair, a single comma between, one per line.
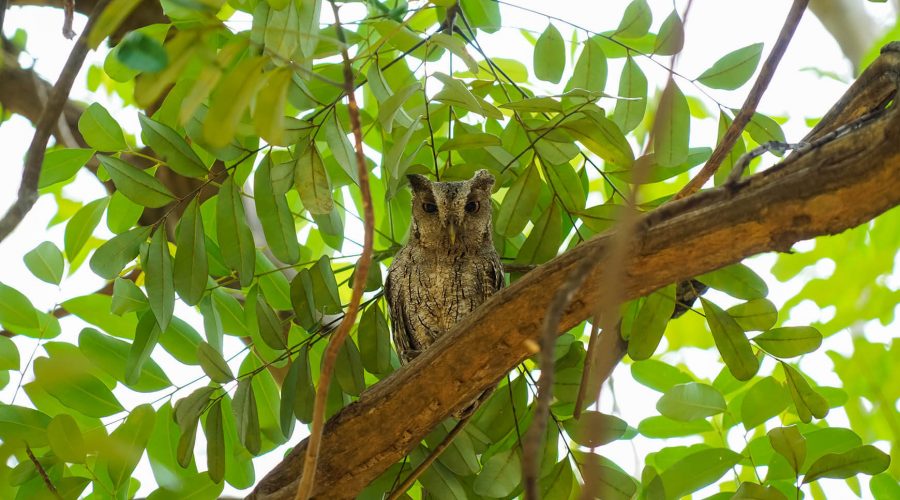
(714,28)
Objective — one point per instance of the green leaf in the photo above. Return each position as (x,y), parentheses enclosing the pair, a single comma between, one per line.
(230,100)
(764,129)
(82,224)
(515,208)
(595,429)
(305,394)
(268,114)
(733,156)
(141,52)
(191,264)
(865,459)
(789,341)
(391,109)
(374,341)
(247,416)
(137,185)
(691,401)
(274,215)
(340,147)
(605,478)
(181,341)
(110,20)
(457,93)
(111,257)
(127,297)
(672,128)
(736,280)
(590,69)
(62,164)
(9,354)
(46,262)
(145,339)
(100,130)
(65,439)
(543,241)
(660,427)
(733,69)
(311,180)
(235,238)
(303,300)
(658,375)
(395,162)
(270,328)
(16,309)
(325,287)
(697,470)
(26,424)
(470,141)
(213,364)
(558,483)
(159,279)
(483,15)
(549,55)
(500,476)
(122,214)
(731,342)
(766,399)
(808,402)
(650,323)
(110,355)
(172,147)
(633,87)
(348,369)
(636,21)
(566,184)
(884,487)
(127,444)
(215,442)
(755,314)
(535,104)
(753,491)
(790,444)
(670,39)
(78,390)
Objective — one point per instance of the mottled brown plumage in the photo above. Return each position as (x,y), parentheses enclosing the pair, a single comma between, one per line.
(449,265)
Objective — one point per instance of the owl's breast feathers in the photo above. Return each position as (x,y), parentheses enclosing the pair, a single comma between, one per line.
(427,293)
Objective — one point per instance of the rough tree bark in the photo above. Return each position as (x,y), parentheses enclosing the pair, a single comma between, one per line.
(835,187)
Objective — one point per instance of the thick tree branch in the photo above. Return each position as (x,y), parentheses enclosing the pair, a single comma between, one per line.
(826,191)
(749,107)
(59,96)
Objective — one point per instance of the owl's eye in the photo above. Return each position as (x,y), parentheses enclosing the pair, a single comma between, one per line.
(429,207)
(472,207)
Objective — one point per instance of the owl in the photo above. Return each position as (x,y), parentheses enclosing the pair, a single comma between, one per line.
(448,267)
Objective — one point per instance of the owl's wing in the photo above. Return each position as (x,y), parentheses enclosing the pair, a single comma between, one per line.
(399,320)
(497,274)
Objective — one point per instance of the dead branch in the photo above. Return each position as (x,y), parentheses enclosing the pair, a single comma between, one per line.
(27,195)
(836,187)
(743,117)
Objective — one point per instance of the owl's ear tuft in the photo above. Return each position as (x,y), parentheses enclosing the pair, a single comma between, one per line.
(483,180)
(419,183)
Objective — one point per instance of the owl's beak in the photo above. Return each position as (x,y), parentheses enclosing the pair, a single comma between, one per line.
(451,230)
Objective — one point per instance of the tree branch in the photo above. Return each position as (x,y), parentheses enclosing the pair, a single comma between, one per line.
(826,191)
(329,358)
(55,103)
(743,117)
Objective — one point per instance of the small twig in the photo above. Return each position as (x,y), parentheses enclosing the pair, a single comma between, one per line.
(750,104)
(42,472)
(69,10)
(27,195)
(307,480)
(435,453)
(534,438)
